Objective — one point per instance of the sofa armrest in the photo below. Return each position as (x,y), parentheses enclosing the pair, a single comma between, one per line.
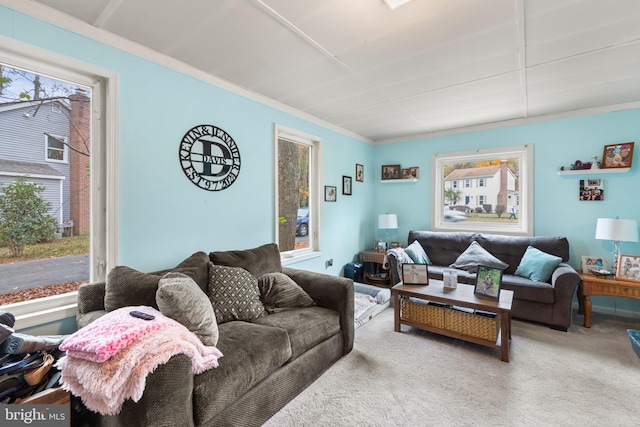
(564,280)
(167,399)
(331,292)
(91,297)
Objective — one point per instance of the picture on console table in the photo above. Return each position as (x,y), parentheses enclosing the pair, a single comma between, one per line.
(628,267)
(488,281)
(415,274)
(590,263)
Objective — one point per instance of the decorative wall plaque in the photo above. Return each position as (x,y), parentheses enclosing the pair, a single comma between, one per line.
(209,157)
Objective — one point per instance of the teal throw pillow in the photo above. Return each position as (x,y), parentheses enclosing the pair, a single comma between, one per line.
(537,265)
(474,255)
(417,253)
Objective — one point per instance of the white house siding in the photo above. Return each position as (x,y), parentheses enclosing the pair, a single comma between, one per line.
(23,139)
(489,191)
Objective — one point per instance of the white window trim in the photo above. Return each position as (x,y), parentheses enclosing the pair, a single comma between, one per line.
(524,153)
(65,149)
(104,198)
(281,132)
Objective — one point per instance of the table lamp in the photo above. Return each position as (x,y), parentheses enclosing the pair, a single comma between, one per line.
(387,222)
(618,230)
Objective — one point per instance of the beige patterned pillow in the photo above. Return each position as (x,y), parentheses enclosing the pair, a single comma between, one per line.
(234,294)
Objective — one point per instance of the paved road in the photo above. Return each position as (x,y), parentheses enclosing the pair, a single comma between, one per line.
(42,272)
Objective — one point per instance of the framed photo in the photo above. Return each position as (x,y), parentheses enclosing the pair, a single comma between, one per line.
(406,173)
(628,267)
(617,155)
(415,274)
(413,172)
(346,185)
(391,172)
(593,263)
(330,193)
(394,245)
(359,172)
(591,189)
(488,281)
(380,246)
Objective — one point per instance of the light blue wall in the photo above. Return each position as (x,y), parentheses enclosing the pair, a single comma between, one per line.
(557,210)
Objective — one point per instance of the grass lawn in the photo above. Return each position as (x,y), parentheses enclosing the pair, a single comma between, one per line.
(76,245)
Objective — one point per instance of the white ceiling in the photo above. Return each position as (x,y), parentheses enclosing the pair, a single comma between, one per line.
(426,67)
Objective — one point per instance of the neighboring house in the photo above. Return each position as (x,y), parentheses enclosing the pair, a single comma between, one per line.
(487,185)
(34,142)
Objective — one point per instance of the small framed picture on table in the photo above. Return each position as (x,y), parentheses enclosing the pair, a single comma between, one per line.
(488,281)
(415,274)
(628,267)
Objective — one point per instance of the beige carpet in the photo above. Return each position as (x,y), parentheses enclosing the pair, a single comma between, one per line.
(584,377)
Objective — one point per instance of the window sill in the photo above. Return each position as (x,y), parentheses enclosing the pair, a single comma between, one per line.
(43,310)
(292,259)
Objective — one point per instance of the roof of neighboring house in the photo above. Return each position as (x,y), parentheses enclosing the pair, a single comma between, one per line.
(473,172)
(33,103)
(27,168)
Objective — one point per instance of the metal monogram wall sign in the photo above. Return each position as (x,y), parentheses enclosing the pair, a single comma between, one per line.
(209,157)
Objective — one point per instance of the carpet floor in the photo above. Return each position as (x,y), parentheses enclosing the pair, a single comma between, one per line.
(583,377)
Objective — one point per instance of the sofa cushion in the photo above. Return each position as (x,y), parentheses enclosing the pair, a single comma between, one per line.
(537,265)
(252,352)
(127,287)
(525,289)
(474,255)
(180,298)
(417,254)
(234,294)
(279,292)
(306,327)
(443,247)
(258,261)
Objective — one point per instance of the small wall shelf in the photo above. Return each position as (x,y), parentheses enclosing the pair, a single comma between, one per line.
(593,171)
(388,181)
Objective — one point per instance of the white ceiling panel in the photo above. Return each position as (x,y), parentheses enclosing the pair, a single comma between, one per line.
(428,66)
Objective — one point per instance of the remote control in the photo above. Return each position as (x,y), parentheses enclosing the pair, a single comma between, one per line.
(141,315)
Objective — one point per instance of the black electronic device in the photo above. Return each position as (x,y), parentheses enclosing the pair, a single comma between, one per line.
(141,315)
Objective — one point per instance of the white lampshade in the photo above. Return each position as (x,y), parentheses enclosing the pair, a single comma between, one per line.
(616,229)
(387,221)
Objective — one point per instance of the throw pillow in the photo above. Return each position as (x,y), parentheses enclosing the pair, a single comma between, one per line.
(180,298)
(126,286)
(278,291)
(234,294)
(474,255)
(257,261)
(537,265)
(417,253)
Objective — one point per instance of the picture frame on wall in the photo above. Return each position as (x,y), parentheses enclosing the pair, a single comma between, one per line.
(391,172)
(591,189)
(359,172)
(628,267)
(590,263)
(346,185)
(617,155)
(330,193)
(488,282)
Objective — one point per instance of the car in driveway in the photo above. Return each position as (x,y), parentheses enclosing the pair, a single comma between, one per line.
(302,222)
(452,215)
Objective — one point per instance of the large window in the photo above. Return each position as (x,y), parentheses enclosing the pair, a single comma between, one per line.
(296,182)
(98,147)
(507,176)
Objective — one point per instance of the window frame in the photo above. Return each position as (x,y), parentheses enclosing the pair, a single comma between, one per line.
(65,148)
(524,154)
(104,167)
(315,205)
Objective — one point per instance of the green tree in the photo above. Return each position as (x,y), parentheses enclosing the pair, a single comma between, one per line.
(452,195)
(23,216)
(500,209)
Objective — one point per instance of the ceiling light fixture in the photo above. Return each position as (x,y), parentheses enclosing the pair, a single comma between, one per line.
(392,4)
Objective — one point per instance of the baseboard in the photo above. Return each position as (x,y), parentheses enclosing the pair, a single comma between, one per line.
(611,311)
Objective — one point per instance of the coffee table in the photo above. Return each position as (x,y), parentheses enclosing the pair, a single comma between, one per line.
(462,296)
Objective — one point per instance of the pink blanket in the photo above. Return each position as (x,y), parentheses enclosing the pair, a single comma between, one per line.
(103,387)
(112,332)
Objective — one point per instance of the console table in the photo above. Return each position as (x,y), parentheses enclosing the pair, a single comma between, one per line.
(377,258)
(608,286)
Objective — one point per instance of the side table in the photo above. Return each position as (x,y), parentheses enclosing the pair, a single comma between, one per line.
(607,285)
(376,258)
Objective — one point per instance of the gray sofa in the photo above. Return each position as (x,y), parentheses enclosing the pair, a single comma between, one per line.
(545,302)
(266,362)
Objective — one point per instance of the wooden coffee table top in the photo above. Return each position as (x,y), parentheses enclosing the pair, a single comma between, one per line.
(463,295)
